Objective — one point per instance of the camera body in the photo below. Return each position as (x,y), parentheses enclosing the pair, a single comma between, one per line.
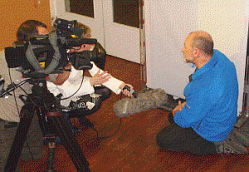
(48,54)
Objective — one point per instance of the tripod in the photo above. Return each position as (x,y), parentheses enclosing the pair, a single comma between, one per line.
(44,102)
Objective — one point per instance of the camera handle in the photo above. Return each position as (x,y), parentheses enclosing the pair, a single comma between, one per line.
(42,99)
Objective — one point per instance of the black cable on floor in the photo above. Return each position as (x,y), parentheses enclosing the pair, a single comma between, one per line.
(97,139)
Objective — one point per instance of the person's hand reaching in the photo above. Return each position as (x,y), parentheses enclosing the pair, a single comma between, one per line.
(100,78)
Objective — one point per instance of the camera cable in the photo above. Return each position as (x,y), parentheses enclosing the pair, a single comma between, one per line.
(97,139)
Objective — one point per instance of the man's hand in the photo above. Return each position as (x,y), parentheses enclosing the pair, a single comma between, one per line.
(178,107)
(125,91)
(100,78)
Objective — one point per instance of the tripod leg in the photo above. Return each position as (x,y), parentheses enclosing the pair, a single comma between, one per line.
(27,114)
(72,146)
(51,152)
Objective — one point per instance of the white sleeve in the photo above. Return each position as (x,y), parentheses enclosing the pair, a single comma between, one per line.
(113,83)
(75,75)
(71,85)
(52,88)
(68,89)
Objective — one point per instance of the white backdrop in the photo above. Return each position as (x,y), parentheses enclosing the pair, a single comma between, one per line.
(168,23)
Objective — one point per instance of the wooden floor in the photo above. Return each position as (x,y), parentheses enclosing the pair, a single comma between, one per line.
(133,148)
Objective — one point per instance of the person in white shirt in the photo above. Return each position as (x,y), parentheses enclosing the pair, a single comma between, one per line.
(72,83)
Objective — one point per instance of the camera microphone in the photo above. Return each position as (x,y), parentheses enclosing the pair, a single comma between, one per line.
(132,92)
(150,99)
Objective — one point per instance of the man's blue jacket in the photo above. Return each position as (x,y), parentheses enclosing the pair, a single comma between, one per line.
(211,96)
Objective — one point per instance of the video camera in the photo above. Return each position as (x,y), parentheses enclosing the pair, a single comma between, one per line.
(48,54)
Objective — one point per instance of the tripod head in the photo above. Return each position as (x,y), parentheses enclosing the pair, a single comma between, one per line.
(40,95)
(38,80)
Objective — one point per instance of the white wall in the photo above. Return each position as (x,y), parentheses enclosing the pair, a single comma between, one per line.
(168,23)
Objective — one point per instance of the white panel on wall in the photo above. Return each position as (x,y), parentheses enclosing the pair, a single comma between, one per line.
(167,25)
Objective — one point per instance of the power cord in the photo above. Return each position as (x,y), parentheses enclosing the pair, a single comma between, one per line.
(97,139)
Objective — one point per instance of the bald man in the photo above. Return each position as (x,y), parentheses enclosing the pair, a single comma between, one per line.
(210,110)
